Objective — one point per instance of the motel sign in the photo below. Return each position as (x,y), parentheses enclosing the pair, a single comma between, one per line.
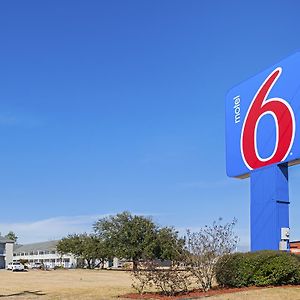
(262,141)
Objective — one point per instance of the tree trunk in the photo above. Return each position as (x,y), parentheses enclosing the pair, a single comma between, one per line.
(134,264)
(101,263)
(88,263)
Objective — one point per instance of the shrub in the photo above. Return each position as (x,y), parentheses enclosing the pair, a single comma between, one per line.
(260,268)
(278,269)
(168,281)
(205,247)
(233,270)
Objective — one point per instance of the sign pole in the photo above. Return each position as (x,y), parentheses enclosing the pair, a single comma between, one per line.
(269,208)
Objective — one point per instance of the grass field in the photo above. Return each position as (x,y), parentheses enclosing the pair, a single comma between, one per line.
(263,294)
(64,284)
(104,285)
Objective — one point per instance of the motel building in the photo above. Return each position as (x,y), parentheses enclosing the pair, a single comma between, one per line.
(44,253)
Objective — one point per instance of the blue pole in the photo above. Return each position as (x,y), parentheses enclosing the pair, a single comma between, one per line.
(269,208)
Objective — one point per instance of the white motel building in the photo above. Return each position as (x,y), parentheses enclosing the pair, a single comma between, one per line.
(37,253)
(43,253)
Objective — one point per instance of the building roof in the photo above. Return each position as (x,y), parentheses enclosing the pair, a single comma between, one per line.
(43,246)
(4,240)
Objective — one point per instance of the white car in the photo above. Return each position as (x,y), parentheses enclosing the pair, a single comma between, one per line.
(15,266)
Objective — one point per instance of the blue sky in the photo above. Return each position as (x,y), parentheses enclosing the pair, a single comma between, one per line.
(119,105)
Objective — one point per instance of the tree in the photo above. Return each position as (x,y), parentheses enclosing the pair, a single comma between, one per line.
(12,236)
(138,238)
(102,251)
(205,247)
(169,245)
(89,248)
(128,236)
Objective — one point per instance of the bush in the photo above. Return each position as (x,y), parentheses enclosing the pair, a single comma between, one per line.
(205,247)
(167,281)
(260,268)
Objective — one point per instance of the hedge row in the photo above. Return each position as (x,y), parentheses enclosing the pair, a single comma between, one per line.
(260,268)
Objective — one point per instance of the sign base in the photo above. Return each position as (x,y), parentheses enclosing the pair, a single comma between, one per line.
(269,208)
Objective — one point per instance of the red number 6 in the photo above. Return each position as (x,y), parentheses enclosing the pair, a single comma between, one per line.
(284,119)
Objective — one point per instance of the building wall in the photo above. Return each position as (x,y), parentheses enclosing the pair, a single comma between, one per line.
(6,254)
(295,247)
(2,248)
(2,262)
(9,250)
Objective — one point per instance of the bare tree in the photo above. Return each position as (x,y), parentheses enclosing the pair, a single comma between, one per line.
(168,281)
(205,247)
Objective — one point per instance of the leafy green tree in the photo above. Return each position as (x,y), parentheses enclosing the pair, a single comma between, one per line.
(89,248)
(169,245)
(130,237)
(12,236)
(138,238)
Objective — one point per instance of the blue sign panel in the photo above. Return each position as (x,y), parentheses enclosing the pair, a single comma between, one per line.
(262,119)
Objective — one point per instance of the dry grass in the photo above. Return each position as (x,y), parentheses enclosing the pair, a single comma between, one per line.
(64,284)
(103,285)
(290,293)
